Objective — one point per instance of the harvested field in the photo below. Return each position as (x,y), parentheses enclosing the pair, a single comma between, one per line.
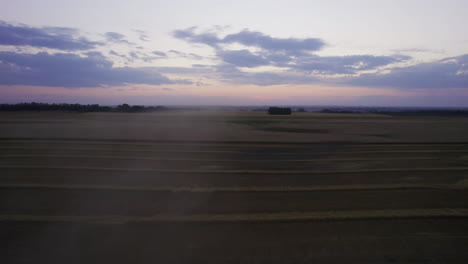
(232,187)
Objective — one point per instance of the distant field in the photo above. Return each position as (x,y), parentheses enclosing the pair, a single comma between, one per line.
(234,126)
(233,187)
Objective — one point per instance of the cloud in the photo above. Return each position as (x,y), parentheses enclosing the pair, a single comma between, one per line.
(159,53)
(309,63)
(185,70)
(258,39)
(293,60)
(61,30)
(442,74)
(142,35)
(446,73)
(242,58)
(148,57)
(231,74)
(200,65)
(115,53)
(293,54)
(189,35)
(417,50)
(116,38)
(71,70)
(133,56)
(345,64)
(49,37)
(186,55)
(251,39)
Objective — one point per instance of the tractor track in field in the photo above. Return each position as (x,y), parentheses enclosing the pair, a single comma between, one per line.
(196,189)
(258,217)
(215,160)
(240,171)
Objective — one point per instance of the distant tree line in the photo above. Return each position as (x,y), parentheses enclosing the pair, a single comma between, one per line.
(79,108)
(338,111)
(444,112)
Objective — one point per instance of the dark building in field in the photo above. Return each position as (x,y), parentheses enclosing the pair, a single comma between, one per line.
(279,111)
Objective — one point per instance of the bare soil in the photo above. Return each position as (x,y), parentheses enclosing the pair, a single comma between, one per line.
(232,187)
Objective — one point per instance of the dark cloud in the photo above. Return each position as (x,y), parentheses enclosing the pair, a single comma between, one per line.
(178,53)
(200,65)
(61,30)
(290,53)
(185,70)
(127,58)
(142,35)
(149,57)
(195,56)
(116,38)
(446,73)
(133,56)
(207,38)
(344,64)
(159,53)
(231,74)
(115,53)
(186,55)
(71,70)
(251,39)
(49,37)
(242,58)
(294,58)
(309,63)
(258,39)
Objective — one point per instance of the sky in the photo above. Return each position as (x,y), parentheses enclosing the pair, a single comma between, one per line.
(206,52)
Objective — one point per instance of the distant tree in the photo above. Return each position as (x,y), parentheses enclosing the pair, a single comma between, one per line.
(123,108)
(137,108)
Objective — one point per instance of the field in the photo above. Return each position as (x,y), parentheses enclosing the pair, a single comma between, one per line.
(232,187)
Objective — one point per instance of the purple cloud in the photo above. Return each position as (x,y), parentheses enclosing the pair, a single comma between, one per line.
(142,35)
(344,64)
(116,38)
(186,55)
(252,39)
(446,73)
(242,58)
(258,39)
(189,35)
(291,53)
(71,70)
(49,37)
(159,53)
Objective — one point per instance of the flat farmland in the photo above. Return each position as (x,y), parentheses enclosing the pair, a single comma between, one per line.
(232,187)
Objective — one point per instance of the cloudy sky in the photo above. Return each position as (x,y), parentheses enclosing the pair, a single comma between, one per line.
(256,52)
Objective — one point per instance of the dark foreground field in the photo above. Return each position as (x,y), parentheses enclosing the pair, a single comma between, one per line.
(232,187)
